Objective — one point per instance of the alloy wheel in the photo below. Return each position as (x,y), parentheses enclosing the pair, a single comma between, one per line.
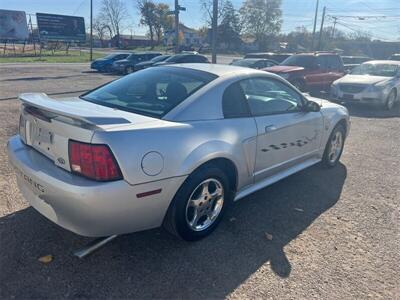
(205,204)
(336,146)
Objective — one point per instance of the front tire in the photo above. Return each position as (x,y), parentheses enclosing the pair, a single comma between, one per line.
(334,147)
(129,70)
(199,204)
(391,100)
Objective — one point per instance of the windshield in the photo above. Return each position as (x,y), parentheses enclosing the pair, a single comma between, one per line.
(109,56)
(159,58)
(305,61)
(386,70)
(152,92)
(244,62)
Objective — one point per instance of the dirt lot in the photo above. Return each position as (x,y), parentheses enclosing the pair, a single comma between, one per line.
(336,233)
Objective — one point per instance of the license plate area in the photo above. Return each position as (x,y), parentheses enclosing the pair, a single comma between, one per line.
(42,138)
(349,97)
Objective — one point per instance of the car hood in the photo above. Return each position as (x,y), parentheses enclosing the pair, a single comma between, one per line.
(100,60)
(362,79)
(283,69)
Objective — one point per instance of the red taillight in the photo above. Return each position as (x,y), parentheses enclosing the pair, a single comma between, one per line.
(93,161)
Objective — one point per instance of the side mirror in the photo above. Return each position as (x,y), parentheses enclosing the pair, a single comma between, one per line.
(312,106)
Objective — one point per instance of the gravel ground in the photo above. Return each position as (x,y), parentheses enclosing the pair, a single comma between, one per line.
(335,233)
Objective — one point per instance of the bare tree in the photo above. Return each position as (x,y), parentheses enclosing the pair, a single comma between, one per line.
(101,29)
(207,7)
(114,13)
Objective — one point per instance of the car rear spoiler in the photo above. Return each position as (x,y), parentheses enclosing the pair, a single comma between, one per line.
(70,110)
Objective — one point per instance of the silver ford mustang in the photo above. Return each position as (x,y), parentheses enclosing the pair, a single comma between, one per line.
(171,145)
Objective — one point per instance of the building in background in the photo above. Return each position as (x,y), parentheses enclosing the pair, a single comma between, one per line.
(127,40)
(189,37)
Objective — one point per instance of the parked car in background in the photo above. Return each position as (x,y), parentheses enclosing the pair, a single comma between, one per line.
(151,62)
(170,145)
(310,71)
(183,59)
(254,63)
(373,82)
(105,64)
(128,64)
(395,56)
(278,57)
(350,62)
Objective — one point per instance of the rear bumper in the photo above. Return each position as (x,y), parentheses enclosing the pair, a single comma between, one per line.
(87,207)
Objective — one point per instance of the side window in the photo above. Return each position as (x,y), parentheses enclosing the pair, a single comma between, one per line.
(234,102)
(269,96)
(336,63)
(322,61)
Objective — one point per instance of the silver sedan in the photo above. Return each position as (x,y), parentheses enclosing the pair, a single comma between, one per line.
(373,82)
(171,145)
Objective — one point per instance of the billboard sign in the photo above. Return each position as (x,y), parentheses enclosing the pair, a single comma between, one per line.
(61,28)
(13,25)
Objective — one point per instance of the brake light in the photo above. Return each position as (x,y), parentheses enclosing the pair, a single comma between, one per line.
(93,161)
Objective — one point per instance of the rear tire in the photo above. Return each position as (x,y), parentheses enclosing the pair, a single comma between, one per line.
(193,214)
(334,147)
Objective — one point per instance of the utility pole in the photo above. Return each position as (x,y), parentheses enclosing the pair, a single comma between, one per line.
(91,30)
(322,27)
(214,31)
(176,13)
(315,25)
(334,26)
(176,26)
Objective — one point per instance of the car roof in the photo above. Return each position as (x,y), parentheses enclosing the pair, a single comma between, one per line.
(218,69)
(390,62)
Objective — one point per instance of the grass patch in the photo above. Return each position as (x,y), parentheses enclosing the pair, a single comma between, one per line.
(74,56)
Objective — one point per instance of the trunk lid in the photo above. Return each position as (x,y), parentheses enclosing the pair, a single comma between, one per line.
(48,124)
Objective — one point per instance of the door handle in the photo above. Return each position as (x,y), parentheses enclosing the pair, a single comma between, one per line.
(270,128)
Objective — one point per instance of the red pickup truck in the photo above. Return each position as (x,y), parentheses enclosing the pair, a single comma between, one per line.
(310,71)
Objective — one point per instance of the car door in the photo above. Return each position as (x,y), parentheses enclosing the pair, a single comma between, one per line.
(314,72)
(286,134)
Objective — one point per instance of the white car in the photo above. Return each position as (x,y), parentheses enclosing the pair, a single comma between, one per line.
(172,145)
(373,82)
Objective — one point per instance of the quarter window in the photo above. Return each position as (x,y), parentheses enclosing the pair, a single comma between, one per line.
(269,96)
(234,102)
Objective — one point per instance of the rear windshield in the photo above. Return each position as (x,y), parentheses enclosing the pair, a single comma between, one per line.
(244,62)
(176,58)
(305,61)
(152,92)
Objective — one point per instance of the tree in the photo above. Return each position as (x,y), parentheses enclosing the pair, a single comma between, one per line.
(163,21)
(147,9)
(262,19)
(114,13)
(101,29)
(229,30)
(207,7)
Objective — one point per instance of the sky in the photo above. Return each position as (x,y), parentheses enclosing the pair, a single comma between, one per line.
(384,26)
